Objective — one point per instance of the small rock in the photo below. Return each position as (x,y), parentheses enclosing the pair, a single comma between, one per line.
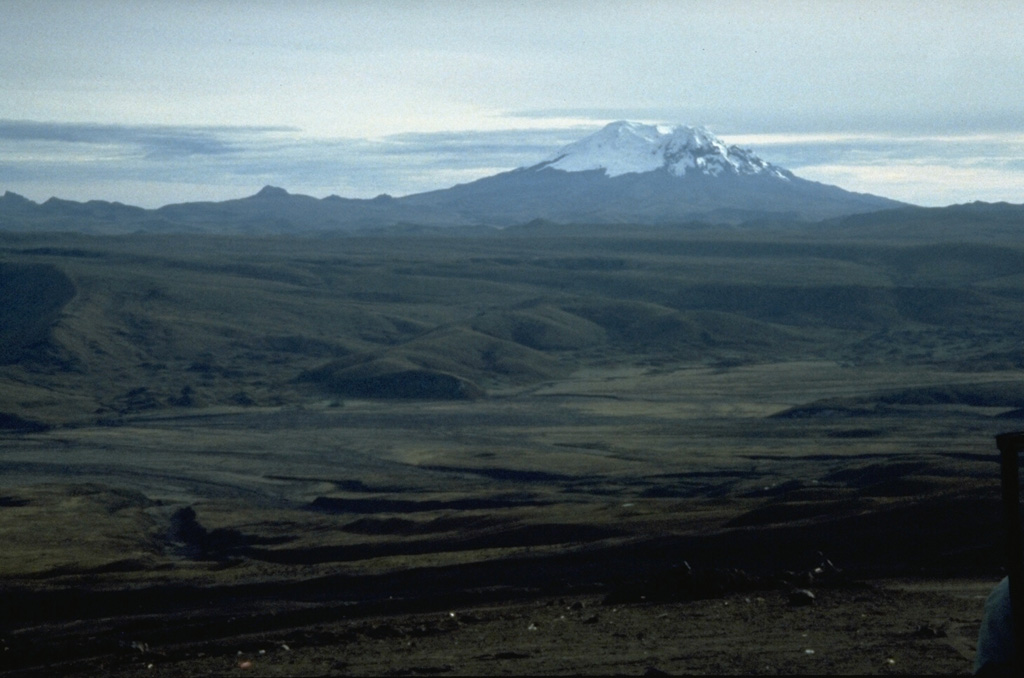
(929,631)
(801,598)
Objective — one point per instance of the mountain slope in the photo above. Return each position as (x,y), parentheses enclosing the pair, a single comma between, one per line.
(653,197)
(628,172)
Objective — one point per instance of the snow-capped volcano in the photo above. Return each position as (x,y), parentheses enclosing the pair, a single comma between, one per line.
(634,148)
(626,173)
(630,172)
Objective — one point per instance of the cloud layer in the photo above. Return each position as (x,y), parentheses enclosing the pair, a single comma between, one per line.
(155,165)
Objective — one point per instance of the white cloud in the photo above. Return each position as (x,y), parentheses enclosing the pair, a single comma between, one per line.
(155,165)
(921,183)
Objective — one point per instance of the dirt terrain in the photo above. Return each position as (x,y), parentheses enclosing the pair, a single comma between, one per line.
(600,563)
(908,627)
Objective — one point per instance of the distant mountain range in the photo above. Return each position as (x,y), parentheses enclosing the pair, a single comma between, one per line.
(626,173)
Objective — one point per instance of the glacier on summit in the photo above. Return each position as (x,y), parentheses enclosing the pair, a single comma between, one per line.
(625,147)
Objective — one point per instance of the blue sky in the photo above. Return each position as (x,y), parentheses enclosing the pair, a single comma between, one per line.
(157,102)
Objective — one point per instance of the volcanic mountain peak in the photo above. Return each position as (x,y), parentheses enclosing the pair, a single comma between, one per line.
(272,192)
(625,147)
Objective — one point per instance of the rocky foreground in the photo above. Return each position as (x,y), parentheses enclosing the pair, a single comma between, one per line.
(905,626)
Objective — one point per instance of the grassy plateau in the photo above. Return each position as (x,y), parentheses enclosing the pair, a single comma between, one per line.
(361,448)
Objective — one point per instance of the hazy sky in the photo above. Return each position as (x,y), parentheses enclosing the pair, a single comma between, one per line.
(158,102)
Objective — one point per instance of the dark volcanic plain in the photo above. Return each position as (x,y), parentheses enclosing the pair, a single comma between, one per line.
(537,450)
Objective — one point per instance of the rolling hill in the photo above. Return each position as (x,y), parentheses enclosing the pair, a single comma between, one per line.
(99,327)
